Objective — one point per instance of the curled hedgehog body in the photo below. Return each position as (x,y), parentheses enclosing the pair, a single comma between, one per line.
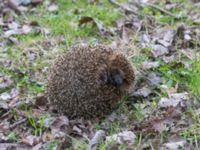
(88,81)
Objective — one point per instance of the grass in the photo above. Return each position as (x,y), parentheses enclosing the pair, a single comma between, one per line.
(192,134)
(37,126)
(63,23)
(190,76)
(194,79)
(180,12)
(12,137)
(66,21)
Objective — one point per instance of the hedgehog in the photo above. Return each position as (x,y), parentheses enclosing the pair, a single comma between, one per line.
(89,81)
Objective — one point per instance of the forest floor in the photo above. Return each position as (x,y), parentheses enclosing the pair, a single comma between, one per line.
(162,39)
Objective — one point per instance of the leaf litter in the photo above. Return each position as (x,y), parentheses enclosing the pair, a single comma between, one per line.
(157,106)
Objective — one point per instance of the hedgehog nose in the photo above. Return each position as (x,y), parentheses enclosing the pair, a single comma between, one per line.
(118,80)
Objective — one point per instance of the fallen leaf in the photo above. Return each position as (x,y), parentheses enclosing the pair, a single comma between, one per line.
(36,2)
(96,23)
(125,137)
(37,147)
(145,40)
(41,102)
(153,79)
(98,137)
(3,105)
(77,130)
(31,140)
(168,59)
(5,96)
(24,30)
(150,65)
(168,89)
(60,124)
(53,8)
(144,92)
(65,143)
(5,82)
(14,5)
(14,146)
(173,100)
(175,145)
(169,36)
(24,2)
(159,50)
(86,19)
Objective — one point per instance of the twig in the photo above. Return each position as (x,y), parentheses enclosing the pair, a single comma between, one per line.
(161,9)
(17,123)
(123,7)
(142,6)
(4,146)
(5,115)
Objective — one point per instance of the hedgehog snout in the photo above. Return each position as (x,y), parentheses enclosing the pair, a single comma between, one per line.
(116,80)
(116,77)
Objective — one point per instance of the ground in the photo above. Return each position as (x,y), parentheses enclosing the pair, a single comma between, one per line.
(161,38)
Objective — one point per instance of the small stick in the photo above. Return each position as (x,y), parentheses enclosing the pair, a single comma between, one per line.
(18,123)
(123,7)
(161,9)
(4,146)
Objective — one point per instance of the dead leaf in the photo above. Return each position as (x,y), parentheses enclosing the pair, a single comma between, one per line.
(125,137)
(37,147)
(144,92)
(173,100)
(112,146)
(5,82)
(98,137)
(86,19)
(169,36)
(36,2)
(13,4)
(175,145)
(168,59)
(169,90)
(77,130)
(95,23)
(67,142)
(4,127)
(14,146)
(145,40)
(191,54)
(31,140)
(5,96)
(153,79)
(3,105)
(24,30)
(41,102)
(60,124)
(150,65)
(159,50)
(53,8)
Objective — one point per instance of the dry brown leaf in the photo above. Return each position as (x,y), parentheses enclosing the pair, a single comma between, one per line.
(31,140)
(60,124)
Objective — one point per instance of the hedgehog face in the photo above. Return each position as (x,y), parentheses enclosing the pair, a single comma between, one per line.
(118,73)
(116,77)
